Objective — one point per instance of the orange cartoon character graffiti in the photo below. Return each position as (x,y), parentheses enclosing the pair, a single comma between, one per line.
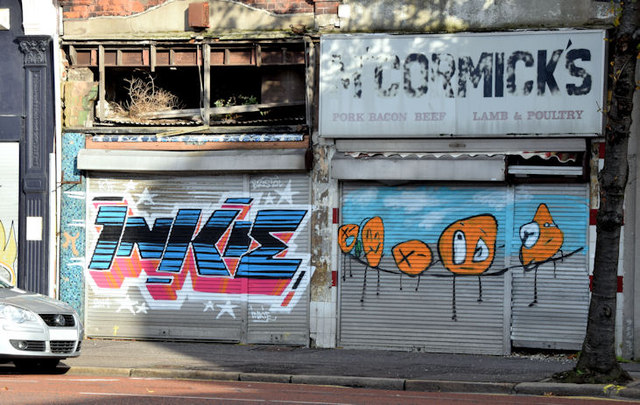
(412,258)
(541,240)
(372,237)
(373,240)
(467,247)
(367,238)
(347,237)
(348,240)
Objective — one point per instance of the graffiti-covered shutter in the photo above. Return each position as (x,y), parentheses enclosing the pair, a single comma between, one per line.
(9,191)
(423,268)
(278,298)
(198,257)
(551,286)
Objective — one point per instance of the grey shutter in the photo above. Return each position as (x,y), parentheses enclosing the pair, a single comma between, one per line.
(558,319)
(390,310)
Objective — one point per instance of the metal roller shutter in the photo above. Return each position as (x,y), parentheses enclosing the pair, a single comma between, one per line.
(551,222)
(198,257)
(285,319)
(386,235)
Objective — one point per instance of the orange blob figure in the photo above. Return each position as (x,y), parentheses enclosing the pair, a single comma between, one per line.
(347,237)
(412,257)
(373,240)
(468,246)
(541,239)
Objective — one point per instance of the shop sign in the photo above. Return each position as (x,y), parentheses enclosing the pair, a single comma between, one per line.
(548,83)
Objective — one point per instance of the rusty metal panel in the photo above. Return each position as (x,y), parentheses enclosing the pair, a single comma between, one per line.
(241,57)
(282,85)
(184,57)
(85,57)
(272,56)
(110,57)
(283,55)
(135,57)
(217,56)
(198,15)
(162,57)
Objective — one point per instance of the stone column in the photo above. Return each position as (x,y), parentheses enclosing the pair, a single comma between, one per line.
(35,146)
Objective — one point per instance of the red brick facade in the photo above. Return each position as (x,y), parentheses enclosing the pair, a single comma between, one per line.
(92,8)
(97,8)
(326,7)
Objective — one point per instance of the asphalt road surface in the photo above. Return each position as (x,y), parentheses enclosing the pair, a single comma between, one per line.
(62,389)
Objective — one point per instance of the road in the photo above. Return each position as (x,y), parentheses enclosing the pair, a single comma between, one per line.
(65,389)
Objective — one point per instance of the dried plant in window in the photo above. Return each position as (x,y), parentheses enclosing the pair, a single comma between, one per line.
(145,98)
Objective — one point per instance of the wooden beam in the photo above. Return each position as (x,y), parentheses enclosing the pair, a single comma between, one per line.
(236,109)
(206,78)
(101,83)
(152,57)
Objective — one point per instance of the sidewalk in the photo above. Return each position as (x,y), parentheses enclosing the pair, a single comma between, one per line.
(516,374)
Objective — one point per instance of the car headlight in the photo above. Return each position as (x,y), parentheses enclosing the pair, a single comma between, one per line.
(17,315)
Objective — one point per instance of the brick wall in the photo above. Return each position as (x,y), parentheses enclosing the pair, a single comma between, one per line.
(73,9)
(326,7)
(93,8)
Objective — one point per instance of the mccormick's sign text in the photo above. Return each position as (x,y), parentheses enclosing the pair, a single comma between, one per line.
(467,84)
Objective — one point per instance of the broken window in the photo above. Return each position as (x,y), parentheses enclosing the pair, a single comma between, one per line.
(207,83)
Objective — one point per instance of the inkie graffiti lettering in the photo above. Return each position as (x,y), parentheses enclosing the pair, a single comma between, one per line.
(466,247)
(232,252)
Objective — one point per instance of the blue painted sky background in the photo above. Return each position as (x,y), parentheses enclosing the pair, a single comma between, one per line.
(423,212)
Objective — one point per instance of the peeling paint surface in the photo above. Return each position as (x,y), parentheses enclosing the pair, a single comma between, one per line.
(72,228)
(321,220)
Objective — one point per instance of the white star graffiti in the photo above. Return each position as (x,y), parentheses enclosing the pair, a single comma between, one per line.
(105,185)
(268,199)
(228,308)
(286,194)
(142,308)
(146,197)
(128,304)
(208,305)
(130,186)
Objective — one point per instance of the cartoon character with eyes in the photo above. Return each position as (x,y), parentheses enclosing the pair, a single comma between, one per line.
(541,240)
(412,258)
(348,237)
(370,243)
(467,247)
(373,240)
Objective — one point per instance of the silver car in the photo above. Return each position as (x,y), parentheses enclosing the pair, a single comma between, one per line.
(36,331)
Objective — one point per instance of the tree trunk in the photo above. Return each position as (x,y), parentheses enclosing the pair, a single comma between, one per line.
(597,361)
